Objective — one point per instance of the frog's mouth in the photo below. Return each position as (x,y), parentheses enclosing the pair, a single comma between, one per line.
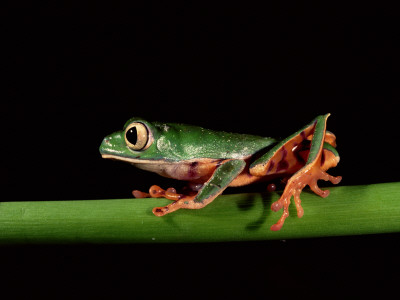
(130,159)
(157,161)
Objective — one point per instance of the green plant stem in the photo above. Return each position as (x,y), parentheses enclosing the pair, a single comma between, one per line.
(349,210)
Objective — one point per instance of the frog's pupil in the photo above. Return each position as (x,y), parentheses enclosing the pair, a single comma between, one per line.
(131,135)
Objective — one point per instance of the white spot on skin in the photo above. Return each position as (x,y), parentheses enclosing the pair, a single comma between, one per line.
(240,154)
(163,144)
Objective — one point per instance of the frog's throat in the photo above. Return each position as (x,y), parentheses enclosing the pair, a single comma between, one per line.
(188,170)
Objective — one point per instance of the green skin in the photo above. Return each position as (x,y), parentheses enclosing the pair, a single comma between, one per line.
(181,142)
(172,146)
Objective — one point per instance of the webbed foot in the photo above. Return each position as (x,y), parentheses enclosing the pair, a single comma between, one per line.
(180,200)
(184,202)
(309,175)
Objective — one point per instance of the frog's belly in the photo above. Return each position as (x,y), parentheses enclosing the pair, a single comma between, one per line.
(194,171)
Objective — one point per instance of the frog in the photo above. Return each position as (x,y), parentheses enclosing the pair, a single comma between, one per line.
(210,161)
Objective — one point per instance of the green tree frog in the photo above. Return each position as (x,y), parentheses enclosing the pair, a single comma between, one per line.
(210,161)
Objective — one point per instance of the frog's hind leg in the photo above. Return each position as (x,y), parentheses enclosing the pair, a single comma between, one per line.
(321,157)
(307,154)
(218,182)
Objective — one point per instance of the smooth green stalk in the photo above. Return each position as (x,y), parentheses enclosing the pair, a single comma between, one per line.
(349,210)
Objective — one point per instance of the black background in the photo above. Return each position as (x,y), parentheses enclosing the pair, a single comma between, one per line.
(79,72)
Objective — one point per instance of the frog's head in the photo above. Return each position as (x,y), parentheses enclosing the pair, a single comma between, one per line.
(134,143)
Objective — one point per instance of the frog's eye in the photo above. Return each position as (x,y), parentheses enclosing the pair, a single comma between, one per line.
(137,136)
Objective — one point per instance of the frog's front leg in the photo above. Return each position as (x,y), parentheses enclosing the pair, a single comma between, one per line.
(218,182)
(288,157)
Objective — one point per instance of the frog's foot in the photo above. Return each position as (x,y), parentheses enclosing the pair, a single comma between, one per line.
(180,200)
(184,202)
(156,192)
(309,175)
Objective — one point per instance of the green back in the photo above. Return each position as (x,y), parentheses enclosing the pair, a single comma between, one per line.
(180,141)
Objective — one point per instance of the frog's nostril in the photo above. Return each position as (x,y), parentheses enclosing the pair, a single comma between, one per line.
(107,145)
(107,141)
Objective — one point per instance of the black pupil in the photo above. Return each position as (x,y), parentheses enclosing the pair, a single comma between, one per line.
(131,135)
